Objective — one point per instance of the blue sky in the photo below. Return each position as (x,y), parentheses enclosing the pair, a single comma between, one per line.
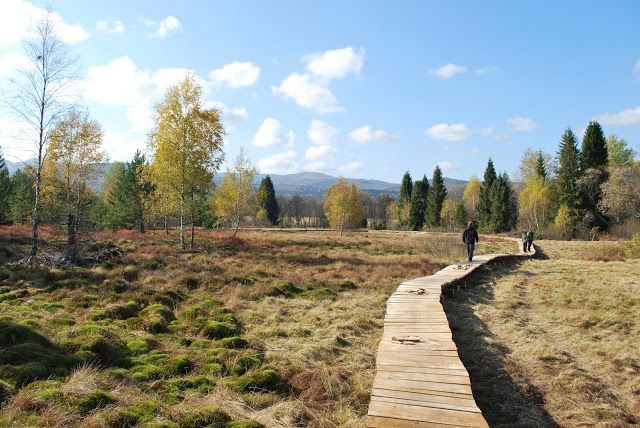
(363,89)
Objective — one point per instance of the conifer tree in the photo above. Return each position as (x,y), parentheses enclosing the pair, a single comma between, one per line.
(266,200)
(594,148)
(21,198)
(484,202)
(503,211)
(541,168)
(568,174)
(435,198)
(404,203)
(418,203)
(5,189)
(461,214)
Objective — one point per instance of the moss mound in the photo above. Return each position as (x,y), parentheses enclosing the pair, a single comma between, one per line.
(94,400)
(156,318)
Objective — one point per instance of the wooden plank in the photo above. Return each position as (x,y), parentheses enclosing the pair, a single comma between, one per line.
(387,422)
(429,414)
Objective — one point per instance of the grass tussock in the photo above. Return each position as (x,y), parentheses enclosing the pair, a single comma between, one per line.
(269,328)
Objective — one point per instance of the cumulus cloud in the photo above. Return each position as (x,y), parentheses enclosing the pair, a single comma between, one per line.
(164,27)
(121,82)
(447,166)
(521,124)
(351,167)
(366,134)
(236,74)
(271,134)
(314,153)
(110,27)
(625,117)
(19,19)
(318,166)
(121,147)
(447,71)
(446,132)
(335,64)
(280,163)
(12,61)
(321,133)
(307,93)
(230,116)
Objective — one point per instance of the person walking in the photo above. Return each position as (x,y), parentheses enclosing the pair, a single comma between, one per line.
(524,241)
(470,237)
(529,240)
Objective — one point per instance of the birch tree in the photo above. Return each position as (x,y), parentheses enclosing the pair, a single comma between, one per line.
(343,205)
(185,145)
(38,98)
(235,198)
(74,152)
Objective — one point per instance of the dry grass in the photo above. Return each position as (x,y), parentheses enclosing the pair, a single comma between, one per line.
(554,341)
(310,304)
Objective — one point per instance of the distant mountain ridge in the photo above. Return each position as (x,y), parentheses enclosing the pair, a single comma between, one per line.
(313,184)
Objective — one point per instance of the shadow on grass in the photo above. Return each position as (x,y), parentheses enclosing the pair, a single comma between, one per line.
(504,401)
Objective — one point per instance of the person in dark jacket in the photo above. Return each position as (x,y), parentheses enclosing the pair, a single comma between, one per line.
(525,241)
(470,237)
(529,240)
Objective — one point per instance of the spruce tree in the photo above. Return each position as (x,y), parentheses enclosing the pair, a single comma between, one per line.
(5,188)
(594,148)
(406,188)
(541,169)
(568,173)
(21,198)
(418,203)
(435,198)
(484,201)
(461,214)
(266,200)
(503,210)
(118,198)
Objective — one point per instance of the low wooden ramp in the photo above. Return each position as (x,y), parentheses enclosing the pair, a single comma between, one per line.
(420,381)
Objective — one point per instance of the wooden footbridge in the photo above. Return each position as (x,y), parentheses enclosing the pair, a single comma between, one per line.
(420,381)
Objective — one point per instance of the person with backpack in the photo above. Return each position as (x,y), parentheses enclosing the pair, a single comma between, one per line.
(529,240)
(524,241)
(470,237)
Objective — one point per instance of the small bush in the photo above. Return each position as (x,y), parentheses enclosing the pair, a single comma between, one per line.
(218,330)
(199,418)
(156,318)
(94,400)
(634,247)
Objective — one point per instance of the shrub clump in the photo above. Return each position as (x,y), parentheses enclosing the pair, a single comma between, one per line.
(94,400)
(218,329)
(156,318)
(198,418)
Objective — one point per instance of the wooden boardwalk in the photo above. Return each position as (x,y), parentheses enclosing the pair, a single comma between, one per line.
(420,381)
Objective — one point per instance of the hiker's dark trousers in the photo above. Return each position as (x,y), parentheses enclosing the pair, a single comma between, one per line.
(470,247)
(524,246)
(529,245)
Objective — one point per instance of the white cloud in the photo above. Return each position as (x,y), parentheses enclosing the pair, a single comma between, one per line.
(335,64)
(486,70)
(166,26)
(14,140)
(320,152)
(447,166)
(120,82)
(320,133)
(453,132)
(236,74)
(447,71)
(521,124)
(308,94)
(12,61)
(230,116)
(280,163)
(119,146)
(487,131)
(636,68)
(140,116)
(114,27)
(366,134)
(625,117)
(271,134)
(19,19)
(352,167)
(319,166)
